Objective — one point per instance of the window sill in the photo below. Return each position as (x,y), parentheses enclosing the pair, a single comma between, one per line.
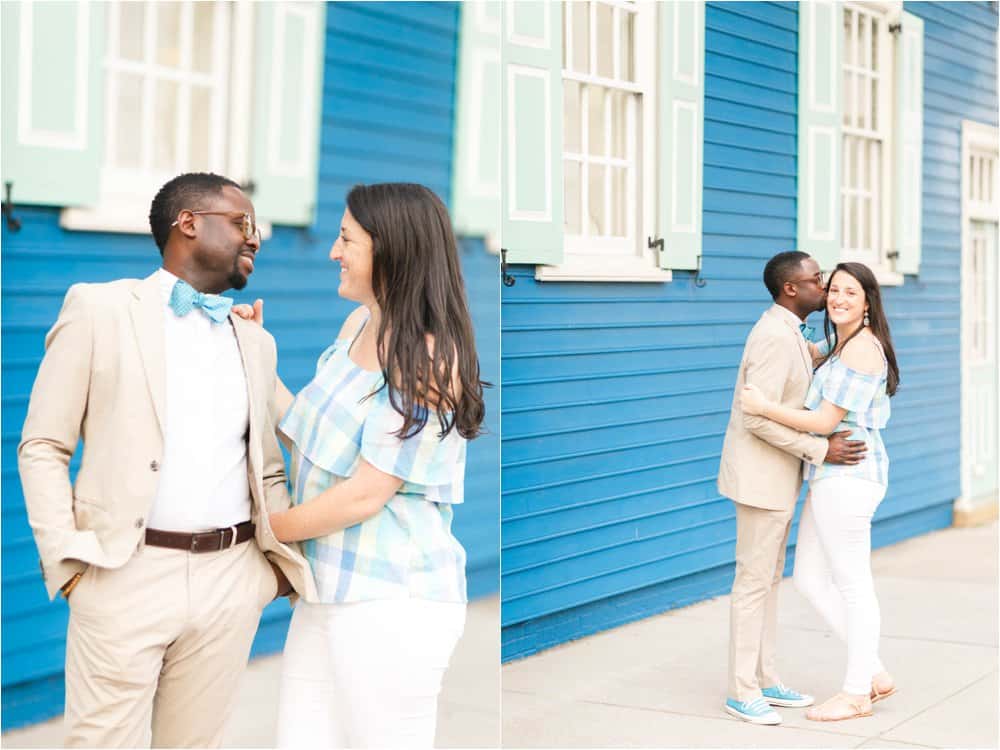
(603,269)
(886,277)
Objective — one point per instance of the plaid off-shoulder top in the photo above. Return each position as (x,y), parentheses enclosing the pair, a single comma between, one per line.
(407,550)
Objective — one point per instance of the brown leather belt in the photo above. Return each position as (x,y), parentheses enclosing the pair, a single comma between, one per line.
(204,541)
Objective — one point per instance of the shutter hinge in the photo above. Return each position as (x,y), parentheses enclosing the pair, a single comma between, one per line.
(895,28)
(507,279)
(698,280)
(13,223)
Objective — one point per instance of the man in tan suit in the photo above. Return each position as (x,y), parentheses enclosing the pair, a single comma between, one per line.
(761,471)
(162,546)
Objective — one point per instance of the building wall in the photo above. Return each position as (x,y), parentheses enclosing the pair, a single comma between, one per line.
(616,396)
(387,115)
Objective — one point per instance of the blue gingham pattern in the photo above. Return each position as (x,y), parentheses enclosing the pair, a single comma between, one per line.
(864,396)
(407,549)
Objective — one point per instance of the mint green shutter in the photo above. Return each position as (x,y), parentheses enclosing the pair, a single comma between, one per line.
(821,37)
(475,182)
(287,105)
(531,132)
(682,131)
(908,143)
(53,101)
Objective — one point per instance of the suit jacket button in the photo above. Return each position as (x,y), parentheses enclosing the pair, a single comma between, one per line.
(154,465)
(138,523)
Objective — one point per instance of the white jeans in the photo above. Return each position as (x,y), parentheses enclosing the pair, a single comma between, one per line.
(365,674)
(833,569)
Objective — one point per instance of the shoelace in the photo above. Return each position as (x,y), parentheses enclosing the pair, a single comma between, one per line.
(787,691)
(758,705)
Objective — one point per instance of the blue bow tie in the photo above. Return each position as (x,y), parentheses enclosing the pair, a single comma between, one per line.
(185,298)
(807,331)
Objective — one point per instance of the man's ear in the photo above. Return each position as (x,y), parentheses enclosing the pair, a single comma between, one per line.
(186,225)
(789,288)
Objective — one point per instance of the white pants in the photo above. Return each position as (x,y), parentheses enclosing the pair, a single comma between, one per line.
(833,569)
(365,674)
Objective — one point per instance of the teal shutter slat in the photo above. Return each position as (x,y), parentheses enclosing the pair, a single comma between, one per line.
(681,117)
(908,143)
(286,100)
(531,132)
(818,195)
(53,101)
(475,196)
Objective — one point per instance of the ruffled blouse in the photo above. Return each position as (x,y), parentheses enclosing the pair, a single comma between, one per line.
(407,549)
(864,397)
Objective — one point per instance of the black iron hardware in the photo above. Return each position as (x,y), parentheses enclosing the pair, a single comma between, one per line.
(895,28)
(698,280)
(13,223)
(508,280)
(657,243)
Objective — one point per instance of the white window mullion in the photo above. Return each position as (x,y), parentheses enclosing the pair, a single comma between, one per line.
(584,164)
(616,59)
(608,224)
(592,9)
(149,88)
(183,153)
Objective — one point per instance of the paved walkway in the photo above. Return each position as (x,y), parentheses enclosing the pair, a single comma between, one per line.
(661,682)
(469,712)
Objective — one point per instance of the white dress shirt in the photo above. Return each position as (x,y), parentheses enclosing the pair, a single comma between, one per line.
(203,474)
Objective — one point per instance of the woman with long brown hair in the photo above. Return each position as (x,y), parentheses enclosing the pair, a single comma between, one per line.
(378,441)
(856,374)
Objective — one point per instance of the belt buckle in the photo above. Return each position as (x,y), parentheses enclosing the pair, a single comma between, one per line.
(232,543)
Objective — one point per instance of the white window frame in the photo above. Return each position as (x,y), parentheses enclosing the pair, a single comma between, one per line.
(597,259)
(126,193)
(878,260)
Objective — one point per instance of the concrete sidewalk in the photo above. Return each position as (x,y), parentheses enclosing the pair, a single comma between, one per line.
(468,714)
(661,682)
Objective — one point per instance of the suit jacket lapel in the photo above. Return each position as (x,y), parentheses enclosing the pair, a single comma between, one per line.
(244,342)
(146,310)
(800,339)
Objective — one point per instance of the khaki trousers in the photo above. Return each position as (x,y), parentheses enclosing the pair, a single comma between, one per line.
(761,538)
(155,649)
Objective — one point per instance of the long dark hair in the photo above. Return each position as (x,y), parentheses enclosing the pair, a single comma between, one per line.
(417,280)
(877,320)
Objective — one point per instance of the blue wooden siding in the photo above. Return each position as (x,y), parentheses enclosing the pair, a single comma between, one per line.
(387,115)
(616,396)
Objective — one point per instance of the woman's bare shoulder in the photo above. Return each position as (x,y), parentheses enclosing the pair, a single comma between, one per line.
(353,322)
(862,353)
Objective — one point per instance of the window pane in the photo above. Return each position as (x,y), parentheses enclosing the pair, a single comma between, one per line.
(848,162)
(595,200)
(168,34)
(626,46)
(874,100)
(201,128)
(619,196)
(852,223)
(571,184)
(128,121)
(845,97)
(605,41)
(165,129)
(595,120)
(580,19)
(848,40)
(572,117)
(131,30)
(874,42)
(619,124)
(204,30)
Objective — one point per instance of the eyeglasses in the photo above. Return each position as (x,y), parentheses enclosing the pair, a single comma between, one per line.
(249,226)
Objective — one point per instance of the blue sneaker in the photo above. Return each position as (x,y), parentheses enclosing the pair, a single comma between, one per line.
(757,711)
(779,695)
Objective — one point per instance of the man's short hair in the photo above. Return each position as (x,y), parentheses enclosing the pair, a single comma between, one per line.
(781,268)
(184,191)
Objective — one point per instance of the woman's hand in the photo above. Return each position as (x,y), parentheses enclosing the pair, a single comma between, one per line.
(752,400)
(254,314)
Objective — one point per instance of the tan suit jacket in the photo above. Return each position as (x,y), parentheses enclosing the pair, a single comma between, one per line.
(102,379)
(762,460)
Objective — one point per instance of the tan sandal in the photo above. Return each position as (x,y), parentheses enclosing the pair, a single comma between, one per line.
(840,707)
(877,695)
